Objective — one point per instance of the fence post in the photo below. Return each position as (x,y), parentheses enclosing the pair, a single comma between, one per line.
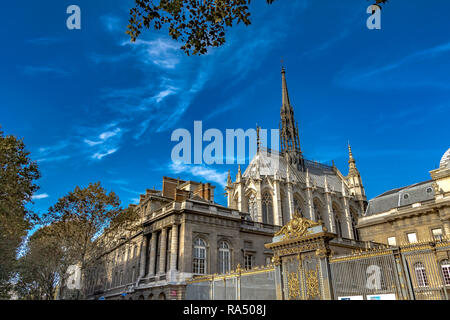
(407,276)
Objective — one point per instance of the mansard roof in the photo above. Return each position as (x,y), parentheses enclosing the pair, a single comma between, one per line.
(395,198)
(272,163)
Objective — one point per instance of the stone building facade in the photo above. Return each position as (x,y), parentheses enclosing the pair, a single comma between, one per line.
(184,233)
(277,184)
(414,213)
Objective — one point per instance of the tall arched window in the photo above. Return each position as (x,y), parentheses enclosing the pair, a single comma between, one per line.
(252,207)
(318,210)
(421,275)
(224,257)
(445,267)
(267,209)
(199,259)
(337,223)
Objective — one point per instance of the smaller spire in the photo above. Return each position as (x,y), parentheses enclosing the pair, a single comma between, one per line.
(351,162)
(308,182)
(239,175)
(350,153)
(229,182)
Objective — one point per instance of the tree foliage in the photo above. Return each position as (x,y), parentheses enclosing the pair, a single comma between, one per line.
(198,24)
(41,268)
(85,222)
(18,174)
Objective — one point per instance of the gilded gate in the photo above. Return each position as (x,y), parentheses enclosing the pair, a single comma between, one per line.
(309,263)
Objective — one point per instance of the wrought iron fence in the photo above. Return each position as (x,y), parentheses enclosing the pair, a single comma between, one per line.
(255,284)
(412,271)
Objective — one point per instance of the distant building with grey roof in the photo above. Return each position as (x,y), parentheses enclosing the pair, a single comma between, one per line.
(412,213)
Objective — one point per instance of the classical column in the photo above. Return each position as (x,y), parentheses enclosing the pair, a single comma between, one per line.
(151,269)
(173,248)
(162,251)
(143,256)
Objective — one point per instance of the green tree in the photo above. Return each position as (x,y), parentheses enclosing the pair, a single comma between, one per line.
(18,174)
(198,24)
(41,267)
(83,216)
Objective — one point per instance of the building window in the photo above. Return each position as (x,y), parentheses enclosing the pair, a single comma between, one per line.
(338,225)
(268,260)
(405,196)
(224,257)
(445,267)
(429,190)
(392,241)
(252,207)
(421,275)
(267,209)
(412,237)
(199,261)
(437,234)
(248,261)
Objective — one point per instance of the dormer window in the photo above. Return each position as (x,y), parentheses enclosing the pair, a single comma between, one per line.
(405,196)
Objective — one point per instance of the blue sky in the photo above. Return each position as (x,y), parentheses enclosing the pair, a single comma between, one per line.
(91,106)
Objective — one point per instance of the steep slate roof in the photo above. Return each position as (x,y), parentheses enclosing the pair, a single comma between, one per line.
(269,164)
(399,197)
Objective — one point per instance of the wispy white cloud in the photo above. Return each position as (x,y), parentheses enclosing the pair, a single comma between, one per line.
(100,155)
(161,52)
(360,77)
(106,142)
(206,173)
(40,196)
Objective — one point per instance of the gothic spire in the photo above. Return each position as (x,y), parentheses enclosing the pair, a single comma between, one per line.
(229,182)
(289,137)
(286,101)
(351,162)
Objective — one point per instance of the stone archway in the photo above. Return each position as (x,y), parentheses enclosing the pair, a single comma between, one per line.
(162,296)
